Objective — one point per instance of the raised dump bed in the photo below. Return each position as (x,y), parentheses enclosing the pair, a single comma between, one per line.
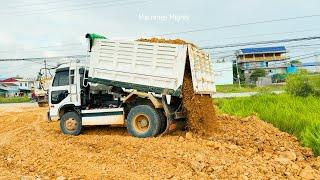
(150,67)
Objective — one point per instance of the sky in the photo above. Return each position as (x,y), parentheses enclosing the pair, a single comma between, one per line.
(48,28)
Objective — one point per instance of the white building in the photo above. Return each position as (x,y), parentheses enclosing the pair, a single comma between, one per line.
(26,84)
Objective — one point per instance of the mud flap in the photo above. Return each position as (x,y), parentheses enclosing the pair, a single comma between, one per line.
(173,118)
(48,117)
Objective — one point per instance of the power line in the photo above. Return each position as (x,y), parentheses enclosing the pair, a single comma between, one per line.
(237,25)
(300,46)
(47,51)
(33,4)
(259,35)
(53,7)
(81,7)
(42,58)
(44,47)
(262,42)
(307,57)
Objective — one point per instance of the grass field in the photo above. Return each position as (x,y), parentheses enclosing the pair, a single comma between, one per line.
(234,88)
(14,100)
(296,115)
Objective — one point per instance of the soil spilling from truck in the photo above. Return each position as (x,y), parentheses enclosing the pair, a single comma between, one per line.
(199,109)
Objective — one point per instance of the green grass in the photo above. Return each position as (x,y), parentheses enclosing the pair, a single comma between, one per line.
(296,115)
(234,88)
(14,100)
(315,80)
(247,88)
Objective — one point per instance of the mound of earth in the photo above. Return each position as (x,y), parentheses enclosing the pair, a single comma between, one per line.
(247,148)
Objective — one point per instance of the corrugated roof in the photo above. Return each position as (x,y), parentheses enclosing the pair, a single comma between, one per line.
(9,80)
(311,64)
(277,49)
(9,84)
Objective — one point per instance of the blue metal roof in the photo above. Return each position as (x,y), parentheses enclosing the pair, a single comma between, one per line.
(277,49)
(311,64)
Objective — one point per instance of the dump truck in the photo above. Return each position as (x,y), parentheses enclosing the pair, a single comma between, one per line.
(41,92)
(128,83)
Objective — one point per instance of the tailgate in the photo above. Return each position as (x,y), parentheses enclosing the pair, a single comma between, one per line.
(202,71)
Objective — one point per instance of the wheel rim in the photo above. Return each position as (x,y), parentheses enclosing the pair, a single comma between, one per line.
(70,124)
(141,123)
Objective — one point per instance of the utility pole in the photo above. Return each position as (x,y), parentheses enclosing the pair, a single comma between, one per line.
(45,68)
(238,75)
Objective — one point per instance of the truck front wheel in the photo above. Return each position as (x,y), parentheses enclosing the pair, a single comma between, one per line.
(143,121)
(70,123)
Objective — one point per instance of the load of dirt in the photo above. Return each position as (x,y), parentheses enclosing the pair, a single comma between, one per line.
(199,109)
(162,40)
(241,148)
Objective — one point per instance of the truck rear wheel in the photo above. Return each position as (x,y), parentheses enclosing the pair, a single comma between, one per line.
(70,123)
(163,121)
(143,121)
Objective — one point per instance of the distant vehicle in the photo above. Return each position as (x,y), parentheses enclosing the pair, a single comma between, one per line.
(41,92)
(128,83)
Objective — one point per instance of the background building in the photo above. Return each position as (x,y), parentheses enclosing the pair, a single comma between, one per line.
(26,84)
(8,89)
(17,86)
(311,67)
(272,59)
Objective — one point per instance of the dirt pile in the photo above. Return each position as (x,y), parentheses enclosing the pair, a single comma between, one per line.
(201,117)
(162,40)
(248,148)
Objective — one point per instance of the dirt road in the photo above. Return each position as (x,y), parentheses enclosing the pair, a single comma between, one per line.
(241,148)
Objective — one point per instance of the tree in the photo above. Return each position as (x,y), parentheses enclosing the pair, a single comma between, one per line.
(257,73)
(235,74)
(295,62)
(299,84)
(277,78)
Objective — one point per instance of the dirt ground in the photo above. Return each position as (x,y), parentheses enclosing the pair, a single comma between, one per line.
(248,148)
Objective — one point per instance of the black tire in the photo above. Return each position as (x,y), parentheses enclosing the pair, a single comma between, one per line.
(163,121)
(143,121)
(71,123)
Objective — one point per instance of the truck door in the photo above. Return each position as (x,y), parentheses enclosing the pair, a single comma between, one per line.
(63,90)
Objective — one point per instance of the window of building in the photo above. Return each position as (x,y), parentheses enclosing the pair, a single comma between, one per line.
(249,56)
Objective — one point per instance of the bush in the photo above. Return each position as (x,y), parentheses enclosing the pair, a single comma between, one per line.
(299,84)
(277,78)
(257,73)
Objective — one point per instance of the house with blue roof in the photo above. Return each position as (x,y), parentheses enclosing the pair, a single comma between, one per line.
(272,59)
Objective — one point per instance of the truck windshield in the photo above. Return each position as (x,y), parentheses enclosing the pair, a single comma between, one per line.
(61,78)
